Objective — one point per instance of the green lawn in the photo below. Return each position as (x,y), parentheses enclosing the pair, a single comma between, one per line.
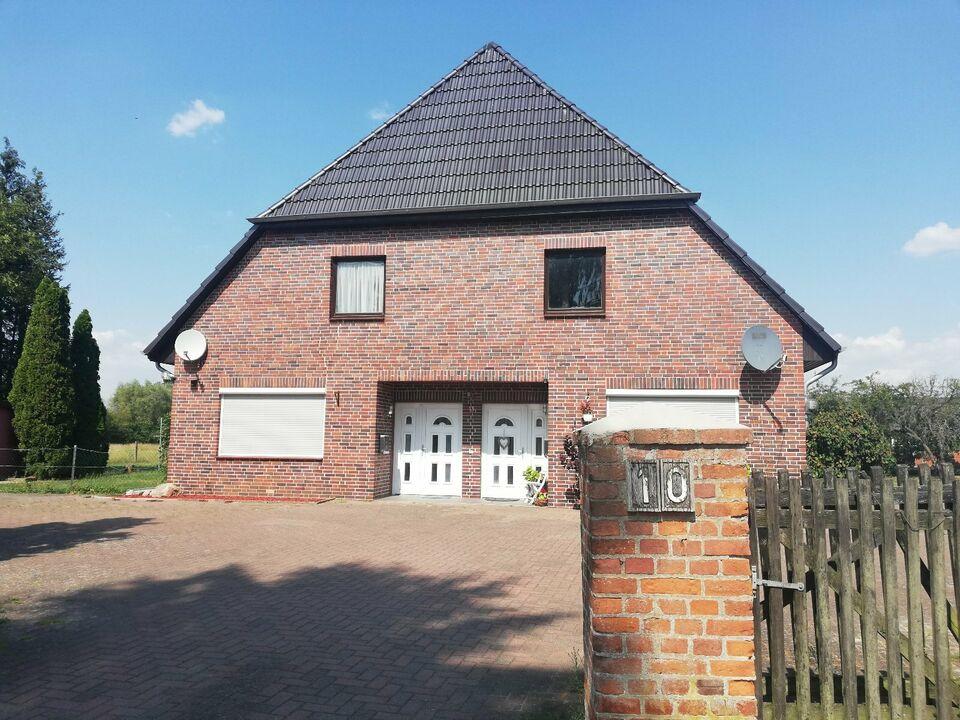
(112,484)
(131,454)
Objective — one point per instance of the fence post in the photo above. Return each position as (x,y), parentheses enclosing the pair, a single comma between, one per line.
(136,451)
(161,460)
(73,464)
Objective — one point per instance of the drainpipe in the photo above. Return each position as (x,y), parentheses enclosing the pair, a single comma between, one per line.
(812,404)
(164,373)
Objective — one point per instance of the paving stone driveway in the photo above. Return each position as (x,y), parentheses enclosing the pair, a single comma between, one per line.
(177,609)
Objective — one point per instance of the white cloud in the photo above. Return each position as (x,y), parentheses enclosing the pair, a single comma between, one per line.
(121,360)
(932,240)
(198,116)
(896,358)
(380,112)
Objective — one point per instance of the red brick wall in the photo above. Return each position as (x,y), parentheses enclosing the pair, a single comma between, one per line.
(465,303)
(668,615)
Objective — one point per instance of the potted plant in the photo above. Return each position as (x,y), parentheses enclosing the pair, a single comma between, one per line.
(586,411)
(535,486)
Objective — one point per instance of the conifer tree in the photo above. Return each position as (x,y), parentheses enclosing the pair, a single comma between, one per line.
(42,395)
(90,434)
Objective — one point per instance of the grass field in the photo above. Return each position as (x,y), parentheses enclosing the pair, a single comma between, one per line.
(113,484)
(131,454)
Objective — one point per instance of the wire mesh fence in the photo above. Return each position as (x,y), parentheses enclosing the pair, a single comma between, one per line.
(73,462)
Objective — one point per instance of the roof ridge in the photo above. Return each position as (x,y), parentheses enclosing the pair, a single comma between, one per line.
(606,131)
(376,131)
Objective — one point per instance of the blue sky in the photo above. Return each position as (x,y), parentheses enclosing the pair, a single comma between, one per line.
(823,136)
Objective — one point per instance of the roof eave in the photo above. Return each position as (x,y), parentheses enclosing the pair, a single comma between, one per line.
(813,333)
(547,207)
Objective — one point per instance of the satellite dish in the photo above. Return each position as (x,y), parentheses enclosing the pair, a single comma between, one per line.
(190,345)
(762,348)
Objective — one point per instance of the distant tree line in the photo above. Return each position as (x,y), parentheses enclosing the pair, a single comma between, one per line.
(139,412)
(869,422)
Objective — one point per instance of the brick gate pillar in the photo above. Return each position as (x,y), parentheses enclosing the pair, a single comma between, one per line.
(668,615)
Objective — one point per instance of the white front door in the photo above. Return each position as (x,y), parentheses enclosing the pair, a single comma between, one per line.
(427,442)
(514,439)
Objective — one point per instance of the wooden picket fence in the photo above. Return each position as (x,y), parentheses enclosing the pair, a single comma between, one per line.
(867,566)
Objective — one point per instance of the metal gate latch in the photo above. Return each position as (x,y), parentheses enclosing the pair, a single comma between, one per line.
(759,581)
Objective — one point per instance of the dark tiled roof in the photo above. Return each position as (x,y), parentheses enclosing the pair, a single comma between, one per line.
(490,133)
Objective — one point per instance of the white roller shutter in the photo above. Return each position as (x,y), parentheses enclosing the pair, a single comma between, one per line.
(677,408)
(272,422)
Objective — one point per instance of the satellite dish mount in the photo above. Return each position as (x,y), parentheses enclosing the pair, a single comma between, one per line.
(762,348)
(190,346)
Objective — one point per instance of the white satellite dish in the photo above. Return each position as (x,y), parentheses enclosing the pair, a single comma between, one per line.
(190,345)
(762,348)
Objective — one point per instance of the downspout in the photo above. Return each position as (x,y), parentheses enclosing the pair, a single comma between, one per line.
(810,404)
(164,373)
(820,376)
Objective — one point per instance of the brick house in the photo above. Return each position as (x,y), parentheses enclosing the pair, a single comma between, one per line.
(428,312)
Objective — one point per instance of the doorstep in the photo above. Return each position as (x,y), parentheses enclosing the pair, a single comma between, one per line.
(448,500)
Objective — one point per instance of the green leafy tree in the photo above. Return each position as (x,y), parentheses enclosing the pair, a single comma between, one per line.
(845,436)
(919,418)
(136,409)
(90,434)
(30,250)
(42,396)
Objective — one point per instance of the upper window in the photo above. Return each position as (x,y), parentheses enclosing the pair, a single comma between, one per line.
(357,288)
(574,282)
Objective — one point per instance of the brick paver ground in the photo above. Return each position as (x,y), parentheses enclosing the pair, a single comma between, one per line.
(177,609)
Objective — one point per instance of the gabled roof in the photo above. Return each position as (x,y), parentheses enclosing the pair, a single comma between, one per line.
(491,133)
(489,140)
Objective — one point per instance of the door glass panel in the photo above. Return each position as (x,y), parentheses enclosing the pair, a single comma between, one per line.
(539,446)
(496,474)
(409,420)
(509,474)
(503,422)
(442,421)
(407,442)
(433,472)
(436,443)
(406,472)
(446,473)
(449,443)
(539,422)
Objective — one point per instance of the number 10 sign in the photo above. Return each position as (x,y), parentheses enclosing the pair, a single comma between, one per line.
(659,486)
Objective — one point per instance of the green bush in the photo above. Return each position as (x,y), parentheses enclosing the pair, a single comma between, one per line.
(135,411)
(845,436)
(42,396)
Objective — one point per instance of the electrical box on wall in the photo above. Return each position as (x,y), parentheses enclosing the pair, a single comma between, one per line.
(659,486)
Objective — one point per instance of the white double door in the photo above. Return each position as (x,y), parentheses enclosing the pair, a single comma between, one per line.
(428,441)
(514,439)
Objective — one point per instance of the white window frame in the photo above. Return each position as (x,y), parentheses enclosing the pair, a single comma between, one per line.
(272,391)
(733,395)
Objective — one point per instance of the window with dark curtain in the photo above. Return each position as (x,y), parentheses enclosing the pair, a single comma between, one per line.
(575,281)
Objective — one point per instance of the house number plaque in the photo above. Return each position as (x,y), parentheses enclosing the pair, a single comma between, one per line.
(659,486)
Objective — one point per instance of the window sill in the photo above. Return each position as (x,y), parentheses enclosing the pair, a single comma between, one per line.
(358,317)
(575,313)
(295,458)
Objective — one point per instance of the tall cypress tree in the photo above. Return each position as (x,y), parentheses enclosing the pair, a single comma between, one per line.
(91,425)
(42,395)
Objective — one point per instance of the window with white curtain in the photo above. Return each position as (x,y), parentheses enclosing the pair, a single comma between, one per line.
(358,287)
